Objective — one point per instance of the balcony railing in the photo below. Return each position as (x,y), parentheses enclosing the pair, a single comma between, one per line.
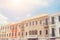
(31,36)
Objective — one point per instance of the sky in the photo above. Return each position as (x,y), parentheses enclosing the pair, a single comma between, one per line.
(17,10)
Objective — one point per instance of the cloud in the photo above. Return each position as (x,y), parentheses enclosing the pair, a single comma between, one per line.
(3,19)
(20,9)
(23,5)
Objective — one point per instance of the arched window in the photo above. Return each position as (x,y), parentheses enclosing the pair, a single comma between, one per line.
(35,32)
(32,32)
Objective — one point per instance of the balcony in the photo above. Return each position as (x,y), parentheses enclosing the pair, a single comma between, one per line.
(32,36)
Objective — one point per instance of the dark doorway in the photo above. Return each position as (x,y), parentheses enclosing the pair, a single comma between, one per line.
(33,39)
(52,39)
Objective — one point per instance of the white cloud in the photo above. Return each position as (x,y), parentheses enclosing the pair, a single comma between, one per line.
(20,18)
(24,4)
(3,19)
(20,9)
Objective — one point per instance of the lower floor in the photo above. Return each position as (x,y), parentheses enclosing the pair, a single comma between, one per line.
(29,38)
(56,38)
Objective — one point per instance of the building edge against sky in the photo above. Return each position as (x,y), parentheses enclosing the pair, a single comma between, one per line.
(43,27)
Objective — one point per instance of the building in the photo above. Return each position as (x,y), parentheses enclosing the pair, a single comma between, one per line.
(54,26)
(36,28)
(42,27)
(11,32)
(4,30)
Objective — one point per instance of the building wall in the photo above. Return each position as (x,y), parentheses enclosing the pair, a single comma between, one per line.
(30,26)
(21,30)
(39,28)
(4,30)
(56,26)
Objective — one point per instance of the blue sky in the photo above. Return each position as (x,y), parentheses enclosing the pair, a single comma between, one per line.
(55,7)
(17,10)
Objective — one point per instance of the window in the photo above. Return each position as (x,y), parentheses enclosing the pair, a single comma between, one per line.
(40,32)
(18,33)
(12,34)
(26,24)
(36,22)
(46,21)
(46,32)
(30,23)
(9,34)
(35,32)
(53,32)
(40,21)
(19,26)
(15,34)
(3,28)
(26,33)
(15,27)
(22,26)
(12,27)
(59,30)
(59,18)
(52,20)
(33,23)
(22,33)
(32,32)
(29,32)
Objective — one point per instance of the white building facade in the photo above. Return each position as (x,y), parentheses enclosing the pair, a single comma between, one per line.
(54,26)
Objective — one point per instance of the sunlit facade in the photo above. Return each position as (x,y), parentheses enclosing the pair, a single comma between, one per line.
(37,28)
(43,27)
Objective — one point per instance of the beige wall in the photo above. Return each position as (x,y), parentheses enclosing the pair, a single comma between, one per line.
(37,27)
